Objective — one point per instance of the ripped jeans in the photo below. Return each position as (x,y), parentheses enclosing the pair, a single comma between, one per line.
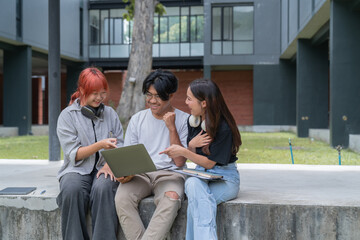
(203,198)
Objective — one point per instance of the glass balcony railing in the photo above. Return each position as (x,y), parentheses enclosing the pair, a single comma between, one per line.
(159,50)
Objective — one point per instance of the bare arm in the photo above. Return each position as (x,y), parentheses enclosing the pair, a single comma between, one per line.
(84,152)
(199,140)
(169,119)
(176,150)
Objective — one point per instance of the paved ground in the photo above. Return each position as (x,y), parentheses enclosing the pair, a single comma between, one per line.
(260,183)
(300,184)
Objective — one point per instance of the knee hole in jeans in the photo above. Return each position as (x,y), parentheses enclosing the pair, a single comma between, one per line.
(172,195)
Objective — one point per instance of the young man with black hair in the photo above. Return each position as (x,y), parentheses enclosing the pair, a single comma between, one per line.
(157,127)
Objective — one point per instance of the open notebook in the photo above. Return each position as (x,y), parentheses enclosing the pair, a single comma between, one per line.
(200,174)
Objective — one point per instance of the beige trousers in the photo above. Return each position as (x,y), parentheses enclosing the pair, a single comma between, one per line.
(129,195)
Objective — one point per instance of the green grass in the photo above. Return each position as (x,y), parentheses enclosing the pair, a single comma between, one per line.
(256,148)
(274,148)
(24,147)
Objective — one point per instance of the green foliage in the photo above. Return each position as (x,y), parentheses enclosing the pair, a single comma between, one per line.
(130,9)
(159,9)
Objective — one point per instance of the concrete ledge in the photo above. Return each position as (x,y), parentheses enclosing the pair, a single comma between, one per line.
(236,220)
(37,130)
(40,130)
(35,223)
(354,142)
(268,128)
(272,221)
(8,131)
(320,134)
(23,223)
(324,135)
(276,201)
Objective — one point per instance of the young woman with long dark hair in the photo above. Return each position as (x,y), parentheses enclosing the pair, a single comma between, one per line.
(213,142)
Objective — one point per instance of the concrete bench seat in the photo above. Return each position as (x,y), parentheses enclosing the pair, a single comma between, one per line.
(275,202)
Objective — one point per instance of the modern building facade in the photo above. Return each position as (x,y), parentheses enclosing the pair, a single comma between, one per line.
(278,62)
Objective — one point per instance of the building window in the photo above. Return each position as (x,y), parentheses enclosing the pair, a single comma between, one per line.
(178,33)
(19,18)
(232,30)
(175,25)
(94,27)
(94,49)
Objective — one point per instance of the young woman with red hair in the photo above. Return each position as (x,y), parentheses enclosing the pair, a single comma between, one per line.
(84,129)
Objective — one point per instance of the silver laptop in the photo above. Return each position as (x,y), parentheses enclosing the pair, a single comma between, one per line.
(130,160)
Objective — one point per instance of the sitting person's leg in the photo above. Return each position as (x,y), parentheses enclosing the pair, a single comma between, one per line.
(103,214)
(127,198)
(168,193)
(203,198)
(73,201)
(201,211)
(225,190)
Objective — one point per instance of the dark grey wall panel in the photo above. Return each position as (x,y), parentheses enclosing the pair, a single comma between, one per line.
(17,89)
(72,76)
(267,23)
(70,28)
(275,94)
(293,19)
(305,11)
(8,19)
(35,25)
(312,86)
(284,25)
(344,73)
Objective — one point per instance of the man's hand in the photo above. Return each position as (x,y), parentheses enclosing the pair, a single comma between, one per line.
(169,119)
(125,179)
(106,171)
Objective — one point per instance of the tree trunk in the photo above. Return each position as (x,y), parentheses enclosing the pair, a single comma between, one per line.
(140,61)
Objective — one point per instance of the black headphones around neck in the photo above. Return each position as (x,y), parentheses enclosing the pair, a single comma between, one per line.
(92,113)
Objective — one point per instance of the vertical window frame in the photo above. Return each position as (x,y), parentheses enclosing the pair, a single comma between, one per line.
(18,18)
(81,32)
